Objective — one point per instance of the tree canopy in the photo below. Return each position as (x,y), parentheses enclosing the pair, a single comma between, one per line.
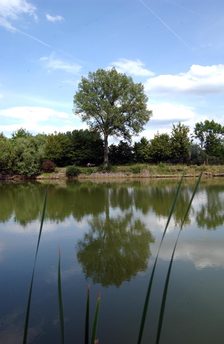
(112,104)
(211,137)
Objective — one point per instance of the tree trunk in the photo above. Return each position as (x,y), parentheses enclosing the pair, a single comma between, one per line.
(106,160)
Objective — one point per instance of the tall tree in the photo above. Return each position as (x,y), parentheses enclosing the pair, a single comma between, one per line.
(142,150)
(211,137)
(113,104)
(160,148)
(86,146)
(180,143)
(121,154)
(21,133)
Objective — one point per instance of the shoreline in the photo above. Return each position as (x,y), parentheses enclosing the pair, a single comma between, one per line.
(109,176)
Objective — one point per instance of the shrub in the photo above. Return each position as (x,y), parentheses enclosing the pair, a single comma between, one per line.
(27,160)
(72,171)
(48,166)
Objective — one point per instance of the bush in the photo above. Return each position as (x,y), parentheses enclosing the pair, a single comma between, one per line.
(27,160)
(72,171)
(48,166)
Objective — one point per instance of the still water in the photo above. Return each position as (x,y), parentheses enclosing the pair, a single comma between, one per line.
(108,234)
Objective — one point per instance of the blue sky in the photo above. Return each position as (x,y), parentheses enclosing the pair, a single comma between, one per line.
(174,47)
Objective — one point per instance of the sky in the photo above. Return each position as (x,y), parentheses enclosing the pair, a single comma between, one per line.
(174,47)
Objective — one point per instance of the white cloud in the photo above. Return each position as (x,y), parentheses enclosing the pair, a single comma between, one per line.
(172,112)
(54,19)
(52,63)
(166,114)
(199,80)
(11,10)
(37,120)
(37,114)
(132,67)
(6,24)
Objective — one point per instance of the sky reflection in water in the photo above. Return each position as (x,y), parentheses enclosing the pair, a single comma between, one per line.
(108,234)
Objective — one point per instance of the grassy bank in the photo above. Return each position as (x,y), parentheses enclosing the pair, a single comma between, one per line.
(140,171)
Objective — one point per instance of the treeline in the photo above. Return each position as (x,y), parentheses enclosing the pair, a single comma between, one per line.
(29,155)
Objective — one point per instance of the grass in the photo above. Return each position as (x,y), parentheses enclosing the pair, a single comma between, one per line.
(171,169)
(141,170)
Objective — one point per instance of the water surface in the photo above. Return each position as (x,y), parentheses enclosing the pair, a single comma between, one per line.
(108,234)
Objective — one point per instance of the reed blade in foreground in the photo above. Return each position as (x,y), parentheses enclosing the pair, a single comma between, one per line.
(95,321)
(26,324)
(87,319)
(165,290)
(60,301)
(145,308)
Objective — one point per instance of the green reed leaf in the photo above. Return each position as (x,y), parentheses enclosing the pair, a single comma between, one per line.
(147,298)
(95,321)
(87,318)
(165,290)
(60,300)
(26,324)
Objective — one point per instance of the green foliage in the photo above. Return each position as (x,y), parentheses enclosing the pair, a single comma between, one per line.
(86,147)
(72,171)
(121,154)
(112,104)
(27,156)
(58,148)
(21,133)
(160,148)
(180,143)
(211,137)
(77,147)
(21,155)
(142,150)
(7,155)
(198,155)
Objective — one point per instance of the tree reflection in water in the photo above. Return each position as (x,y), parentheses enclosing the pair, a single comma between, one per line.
(22,202)
(115,249)
(211,214)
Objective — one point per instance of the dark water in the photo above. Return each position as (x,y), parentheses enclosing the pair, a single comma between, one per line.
(108,235)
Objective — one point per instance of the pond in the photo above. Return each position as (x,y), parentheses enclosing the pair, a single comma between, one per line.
(108,234)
